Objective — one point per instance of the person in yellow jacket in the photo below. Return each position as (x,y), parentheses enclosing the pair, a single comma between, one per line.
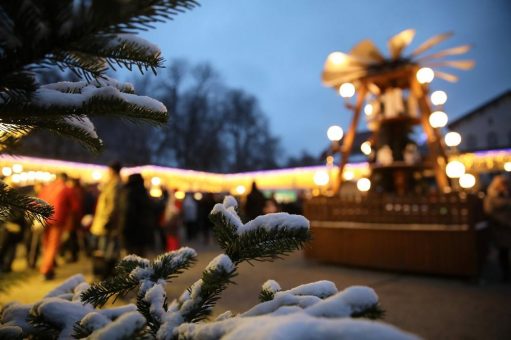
(108,218)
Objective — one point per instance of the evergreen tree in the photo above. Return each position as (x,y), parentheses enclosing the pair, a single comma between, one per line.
(87,37)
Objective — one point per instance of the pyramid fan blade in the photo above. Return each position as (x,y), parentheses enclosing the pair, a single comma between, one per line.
(398,42)
(338,78)
(448,52)
(433,41)
(341,62)
(458,64)
(446,76)
(367,50)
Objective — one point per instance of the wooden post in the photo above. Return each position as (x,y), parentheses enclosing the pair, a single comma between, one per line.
(347,144)
(434,140)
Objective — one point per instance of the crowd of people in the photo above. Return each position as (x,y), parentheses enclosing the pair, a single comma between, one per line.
(115,218)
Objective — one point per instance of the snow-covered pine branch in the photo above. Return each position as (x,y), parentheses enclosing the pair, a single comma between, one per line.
(265,238)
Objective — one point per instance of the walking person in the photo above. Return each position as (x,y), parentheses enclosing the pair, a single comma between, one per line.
(190,215)
(497,205)
(255,203)
(58,195)
(108,221)
(140,216)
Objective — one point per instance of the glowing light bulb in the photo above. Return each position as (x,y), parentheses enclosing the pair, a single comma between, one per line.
(467,181)
(240,189)
(347,90)
(438,119)
(438,98)
(364,184)
(156,181)
(17,168)
(452,139)
(321,178)
(6,171)
(337,58)
(155,192)
(368,109)
(348,175)
(507,166)
(197,196)
(455,169)
(334,133)
(425,75)
(97,175)
(366,148)
(179,195)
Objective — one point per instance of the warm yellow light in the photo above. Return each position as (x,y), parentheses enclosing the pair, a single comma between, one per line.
(321,178)
(364,184)
(348,175)
(155,192)
(6,171)
(179,195)
(425,75)
(438,119)
(97,175)
(455,169)
(366,148)
(337,58)
(16,178)
(438,98)
(240,189)
(507,166)
(347,90)
(334,133)
(368,109)
(197,196)
(17,168)
(156,181)
(467,181)
(452,139)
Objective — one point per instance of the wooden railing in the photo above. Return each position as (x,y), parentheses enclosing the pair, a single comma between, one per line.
(445,209)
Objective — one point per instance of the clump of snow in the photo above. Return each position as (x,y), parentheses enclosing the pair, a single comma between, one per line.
(122,328)
(271,286)
(94,321)
(135,258)
(46,96)
(351,300)
(155,296)
(230,201)
(281,299)
(83,123)
(15,314)
(193,298)
(67,286)
(62,313)
(229,214)
(221,262)
(182,254)
(292,326)
(115,312)
(142,273)
(270,222)
(224,316)
(126,38)
(321,289)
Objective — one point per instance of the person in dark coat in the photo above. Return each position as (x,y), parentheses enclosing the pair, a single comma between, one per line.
(255,203)
(139,217)
(206,204)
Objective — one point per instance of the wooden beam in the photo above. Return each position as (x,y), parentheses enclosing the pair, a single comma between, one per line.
(434,140)
(347,144)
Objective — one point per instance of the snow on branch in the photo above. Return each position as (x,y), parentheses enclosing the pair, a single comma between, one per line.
(265,238)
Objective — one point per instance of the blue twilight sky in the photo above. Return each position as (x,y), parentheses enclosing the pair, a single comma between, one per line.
(275,49)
